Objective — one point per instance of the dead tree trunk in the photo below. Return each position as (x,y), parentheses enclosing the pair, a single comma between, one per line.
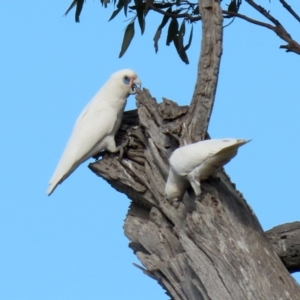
(213,249)
(209,249)
(285,240)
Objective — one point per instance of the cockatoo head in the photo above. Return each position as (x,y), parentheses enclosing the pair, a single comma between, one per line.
(172,194)
(126,80)
(173,190)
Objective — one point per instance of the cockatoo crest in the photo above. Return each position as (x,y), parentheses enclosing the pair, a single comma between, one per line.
(97,125)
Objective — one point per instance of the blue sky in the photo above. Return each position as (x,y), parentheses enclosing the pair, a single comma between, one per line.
(71,245)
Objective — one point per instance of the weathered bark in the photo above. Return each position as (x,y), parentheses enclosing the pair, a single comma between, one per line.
(285,240)
(209,249)
(208,71)
(213,249)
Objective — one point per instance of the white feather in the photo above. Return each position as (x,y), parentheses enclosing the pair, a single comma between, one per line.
(96,126)
(192,163)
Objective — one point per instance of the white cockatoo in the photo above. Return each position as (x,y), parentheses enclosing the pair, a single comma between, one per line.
(97,125)
(194,162)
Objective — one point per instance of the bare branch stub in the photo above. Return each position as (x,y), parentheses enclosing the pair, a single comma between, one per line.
(285,240)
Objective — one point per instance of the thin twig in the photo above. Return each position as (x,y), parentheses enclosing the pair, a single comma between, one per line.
(172,15)
(256,22)
(292,45)
(224,26)
(263,11)
(290,10)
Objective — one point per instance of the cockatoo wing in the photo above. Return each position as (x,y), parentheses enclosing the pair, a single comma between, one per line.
(91,133)
(187,158)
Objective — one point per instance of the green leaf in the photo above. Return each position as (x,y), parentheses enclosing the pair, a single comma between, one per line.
(128,36)
(160,27)
(74,3)
(147,8)
(79,5)
(115,13)
(177,43)
(119,7)
(156,38)
(196,11)
(78,9)
(125,4)
(165,18)
(233,6)
(190,40)
(180,49)
(182,28)
(105,2)
(172,31)
(140,14)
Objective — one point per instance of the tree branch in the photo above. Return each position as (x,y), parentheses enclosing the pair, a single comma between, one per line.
(290,10)
(208,70)
(292,45)
(253,21)
(285,240)
(172,15)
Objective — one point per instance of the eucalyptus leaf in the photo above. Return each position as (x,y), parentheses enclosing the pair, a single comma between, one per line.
(182,28)
(125,5)
(119,7)
(156,38)
(128,36)
(172,31)
(180,49)
(105,2)
(74,3)
(78,9)
(190,40)
(196,11)
(79,5)
(140,14)
(165,18)
(233,6)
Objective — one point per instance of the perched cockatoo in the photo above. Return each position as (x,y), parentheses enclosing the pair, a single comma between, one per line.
(97,125)
(194,162)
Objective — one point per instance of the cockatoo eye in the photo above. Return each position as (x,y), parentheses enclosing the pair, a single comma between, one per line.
(126,80)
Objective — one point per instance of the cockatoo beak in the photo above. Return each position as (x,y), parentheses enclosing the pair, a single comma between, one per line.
(134,82)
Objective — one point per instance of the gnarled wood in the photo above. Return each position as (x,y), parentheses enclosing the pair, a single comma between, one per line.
(212,249)
(285,240)
(208,71)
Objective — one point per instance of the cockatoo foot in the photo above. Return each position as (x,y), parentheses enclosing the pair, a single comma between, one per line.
(175,203)
(122,147)
(198,198)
